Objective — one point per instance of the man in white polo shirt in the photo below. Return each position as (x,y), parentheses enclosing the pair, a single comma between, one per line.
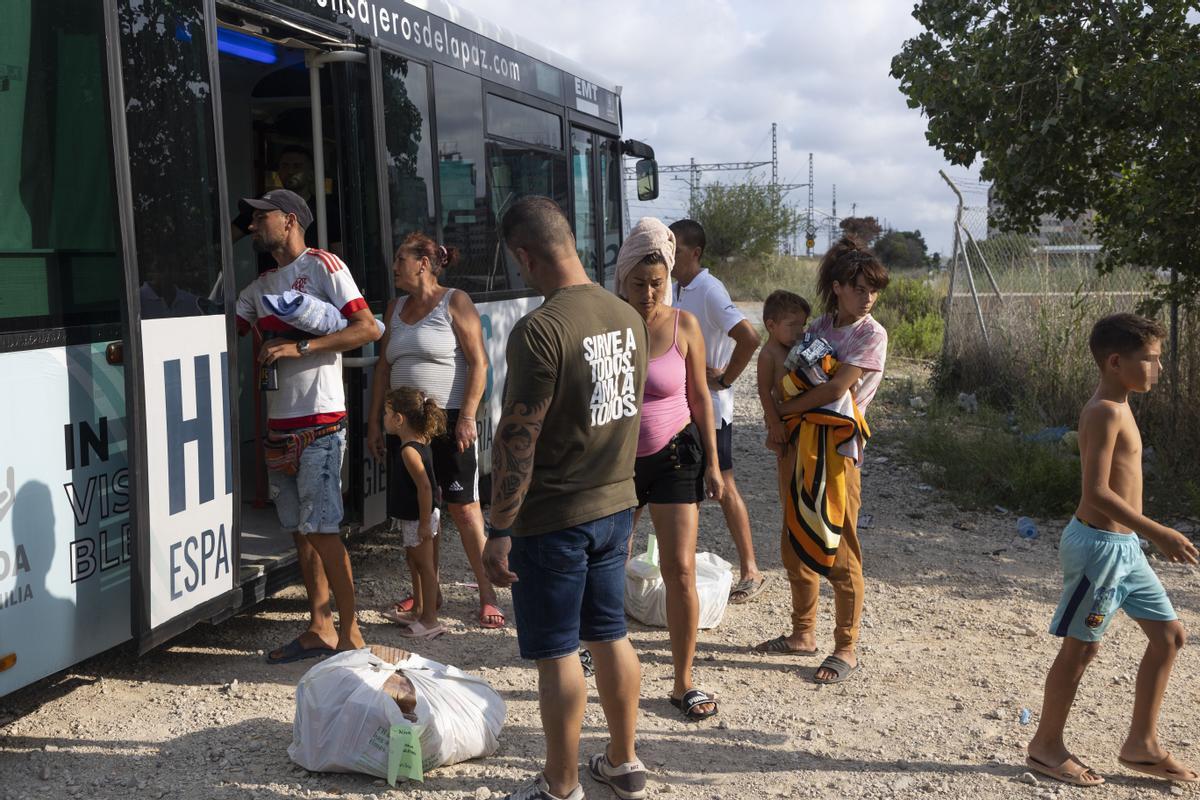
(729,342)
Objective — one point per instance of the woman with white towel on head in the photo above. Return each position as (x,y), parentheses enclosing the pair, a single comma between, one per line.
(676,464)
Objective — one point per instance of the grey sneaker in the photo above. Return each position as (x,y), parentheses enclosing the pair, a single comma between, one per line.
(627,780)
(537,789)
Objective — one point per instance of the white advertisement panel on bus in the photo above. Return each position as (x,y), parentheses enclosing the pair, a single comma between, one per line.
(189,463)
(64,511)
(498,319)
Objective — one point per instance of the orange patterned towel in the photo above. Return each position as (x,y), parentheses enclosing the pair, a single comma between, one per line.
(824,438)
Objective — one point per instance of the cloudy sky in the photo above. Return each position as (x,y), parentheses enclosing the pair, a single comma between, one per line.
(706,78)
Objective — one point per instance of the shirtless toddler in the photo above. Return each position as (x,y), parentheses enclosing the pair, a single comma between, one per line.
(1104,568)
(784,314)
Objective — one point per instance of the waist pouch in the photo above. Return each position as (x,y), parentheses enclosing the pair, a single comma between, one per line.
(282,449)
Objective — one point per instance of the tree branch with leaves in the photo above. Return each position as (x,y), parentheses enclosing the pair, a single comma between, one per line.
(1072,105)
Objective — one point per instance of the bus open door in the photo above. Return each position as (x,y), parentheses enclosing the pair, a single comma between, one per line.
(177,328)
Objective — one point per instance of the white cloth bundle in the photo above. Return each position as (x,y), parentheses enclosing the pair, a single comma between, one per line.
(307,313)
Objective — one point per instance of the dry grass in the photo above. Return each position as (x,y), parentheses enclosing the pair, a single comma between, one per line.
(1038,367)
(754,279)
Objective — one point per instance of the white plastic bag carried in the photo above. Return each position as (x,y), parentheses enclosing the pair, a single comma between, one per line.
(345,722)
(646,595)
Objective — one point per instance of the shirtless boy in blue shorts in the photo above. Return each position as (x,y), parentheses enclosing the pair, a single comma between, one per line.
(1104,568)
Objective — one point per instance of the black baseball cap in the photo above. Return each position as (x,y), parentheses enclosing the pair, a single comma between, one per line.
(283,200)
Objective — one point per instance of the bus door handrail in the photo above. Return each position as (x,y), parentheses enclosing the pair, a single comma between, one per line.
(314,63)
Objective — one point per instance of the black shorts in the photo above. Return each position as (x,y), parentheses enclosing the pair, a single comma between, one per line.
(725,447)
(457,474)
(673,475)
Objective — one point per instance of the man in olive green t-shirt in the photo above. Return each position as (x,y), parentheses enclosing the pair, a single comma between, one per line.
(563,498)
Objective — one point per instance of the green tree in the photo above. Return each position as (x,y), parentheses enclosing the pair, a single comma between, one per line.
(747,219)
(1071,105)
(902,250)
(864,229)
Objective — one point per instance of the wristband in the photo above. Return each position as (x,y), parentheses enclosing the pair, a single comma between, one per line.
(492,532)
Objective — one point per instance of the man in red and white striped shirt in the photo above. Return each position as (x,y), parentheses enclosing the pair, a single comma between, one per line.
(309,397)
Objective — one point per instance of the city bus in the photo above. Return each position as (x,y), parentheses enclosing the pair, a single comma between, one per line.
(132,484)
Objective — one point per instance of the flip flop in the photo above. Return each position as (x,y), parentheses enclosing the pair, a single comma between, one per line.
(1070,772)
(779,645)
(418,631)
(693,698)
(1160,769)
(406,605)
(404,618)
(490,610)
(748,588)
(296,651)
(841,670)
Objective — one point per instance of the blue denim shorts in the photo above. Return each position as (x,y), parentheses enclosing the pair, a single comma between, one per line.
(571,586)
(311,500)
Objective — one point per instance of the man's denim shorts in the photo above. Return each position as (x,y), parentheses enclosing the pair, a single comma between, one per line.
(571,586)
(311,500)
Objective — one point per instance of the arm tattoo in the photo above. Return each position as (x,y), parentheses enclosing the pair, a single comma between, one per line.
(512,457)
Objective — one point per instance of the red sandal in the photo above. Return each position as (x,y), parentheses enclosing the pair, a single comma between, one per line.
(491,610)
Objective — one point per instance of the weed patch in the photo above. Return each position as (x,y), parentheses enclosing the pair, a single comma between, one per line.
(983,465)
(910,310)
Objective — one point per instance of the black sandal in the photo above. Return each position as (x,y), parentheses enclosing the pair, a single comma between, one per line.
(691,699)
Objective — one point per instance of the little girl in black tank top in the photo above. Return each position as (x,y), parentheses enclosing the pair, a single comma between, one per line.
(413,499)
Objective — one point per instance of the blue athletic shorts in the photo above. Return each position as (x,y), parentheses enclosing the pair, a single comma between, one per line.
(1104,571)
(311,500)
(571,586)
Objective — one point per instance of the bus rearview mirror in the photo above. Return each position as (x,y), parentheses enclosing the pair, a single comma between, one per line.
(647,179)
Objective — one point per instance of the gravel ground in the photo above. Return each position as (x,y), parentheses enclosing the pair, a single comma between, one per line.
(953,647)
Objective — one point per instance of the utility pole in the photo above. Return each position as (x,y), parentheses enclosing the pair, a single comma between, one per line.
(833,220)
(854,209)
(810,232)
(694,185)
(774,157)
(776,195)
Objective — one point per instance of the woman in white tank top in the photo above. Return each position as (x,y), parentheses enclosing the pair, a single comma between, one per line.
(434,342)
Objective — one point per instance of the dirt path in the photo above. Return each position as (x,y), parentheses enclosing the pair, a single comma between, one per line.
(953,646)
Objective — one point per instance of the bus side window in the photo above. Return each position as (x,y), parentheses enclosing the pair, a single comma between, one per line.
(461,177)
(58,239)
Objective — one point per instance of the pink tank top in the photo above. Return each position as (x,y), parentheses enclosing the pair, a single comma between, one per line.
(664,401)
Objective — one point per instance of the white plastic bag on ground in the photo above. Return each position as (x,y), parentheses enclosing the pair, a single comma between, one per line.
(646,595)
(344,718)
